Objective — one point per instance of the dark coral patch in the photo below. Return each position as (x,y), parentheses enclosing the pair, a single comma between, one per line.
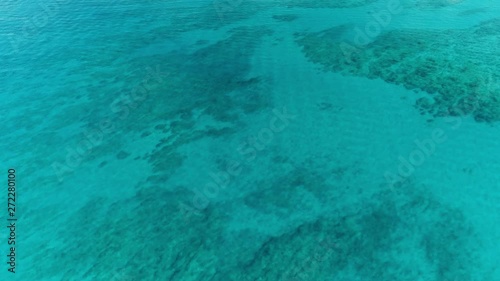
(458,68)
(285,18)
(122,155)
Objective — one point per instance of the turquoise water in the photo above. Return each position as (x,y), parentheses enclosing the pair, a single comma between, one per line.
(252,140)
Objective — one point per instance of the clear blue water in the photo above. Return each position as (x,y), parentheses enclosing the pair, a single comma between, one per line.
(252,140)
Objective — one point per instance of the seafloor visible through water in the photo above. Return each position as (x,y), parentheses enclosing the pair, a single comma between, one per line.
(252,140)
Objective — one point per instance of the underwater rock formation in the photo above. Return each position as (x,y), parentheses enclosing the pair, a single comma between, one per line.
(426,4)
(285,18)
(458,68)
(395,236)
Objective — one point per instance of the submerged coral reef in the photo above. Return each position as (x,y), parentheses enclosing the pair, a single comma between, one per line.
(397,236)
(458,68)
(180,102)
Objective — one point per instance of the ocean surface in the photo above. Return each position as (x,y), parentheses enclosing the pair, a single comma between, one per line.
(251,140)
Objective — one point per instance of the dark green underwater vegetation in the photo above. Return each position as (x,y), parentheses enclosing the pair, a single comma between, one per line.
(457,68)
